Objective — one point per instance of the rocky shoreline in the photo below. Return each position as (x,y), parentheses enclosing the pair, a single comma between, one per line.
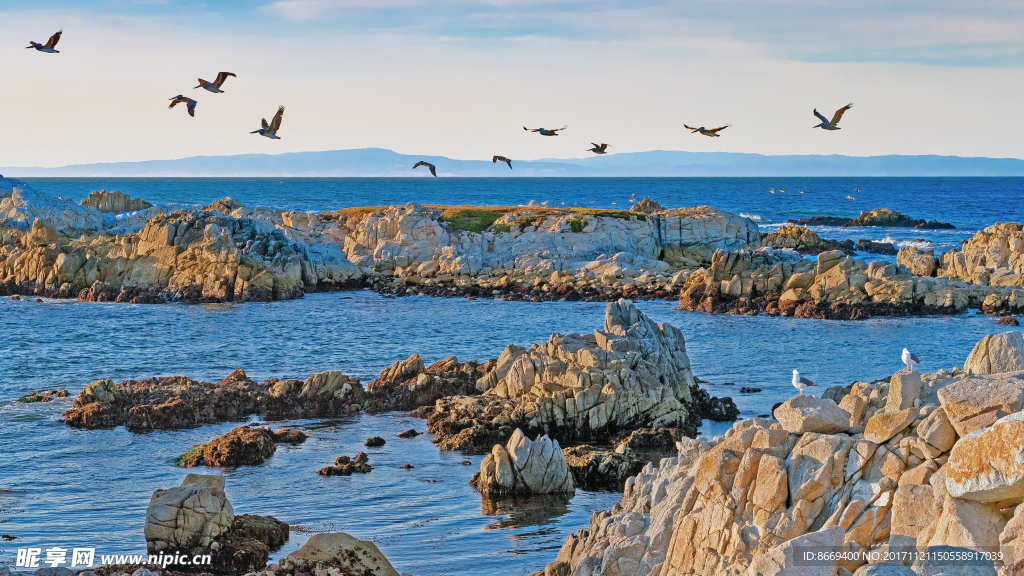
(227,252)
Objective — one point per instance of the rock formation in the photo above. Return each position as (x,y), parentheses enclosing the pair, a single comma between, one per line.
(997,353)
(525,467)
(876,217)
(577,387)
(744,502)
(336,554)
(804,241)
(243,446)
(114,202)
(196,518)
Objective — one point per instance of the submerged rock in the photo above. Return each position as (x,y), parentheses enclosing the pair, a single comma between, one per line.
(525,467)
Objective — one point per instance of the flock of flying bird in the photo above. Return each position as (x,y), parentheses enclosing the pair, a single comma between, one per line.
(908,358)
(269,129)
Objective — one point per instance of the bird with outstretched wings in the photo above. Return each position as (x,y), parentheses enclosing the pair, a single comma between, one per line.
(713,132)
(50,45)
(190,103)
(428,165)
(825,124)
(599,148)
(546,131)
(497,159)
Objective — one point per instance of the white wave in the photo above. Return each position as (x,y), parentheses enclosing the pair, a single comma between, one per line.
(753,217)
(920,243)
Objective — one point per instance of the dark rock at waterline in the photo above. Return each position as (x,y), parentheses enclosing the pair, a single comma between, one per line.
(409,384)
(749,390)
(407,467)
(345,466)
(362,457)
(289,436)
(410,433)
(872,247)
(43,396)
(375,442)
(1008,321)
(774,406)
(595,468)
(877,217)
(247,544)
(242,446)
(709,407)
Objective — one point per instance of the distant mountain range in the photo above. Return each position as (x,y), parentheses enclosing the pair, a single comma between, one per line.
(377,162)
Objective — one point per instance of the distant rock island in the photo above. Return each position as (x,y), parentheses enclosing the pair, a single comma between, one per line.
(877,217)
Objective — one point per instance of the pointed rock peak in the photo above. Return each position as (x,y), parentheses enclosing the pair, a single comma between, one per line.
(622,313)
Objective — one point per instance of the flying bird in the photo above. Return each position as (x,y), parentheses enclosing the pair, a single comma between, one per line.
(850,198)
(179,99)
(48,47)
(599,148)
(429,167)
(801,383)
(856,189)
(782,189)
(910,360)
(545,131)
(270,130)
(216,84)
(712,132)
(825,124)
(497,159)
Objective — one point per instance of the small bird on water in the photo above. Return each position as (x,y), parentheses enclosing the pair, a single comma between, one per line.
(429,167)
(801,383)
(910,360)
(825,124)
(216,84)
(270,130)
(48,47)
(599,148)
(179,99)
(497,159)
(713,132)
(545,131)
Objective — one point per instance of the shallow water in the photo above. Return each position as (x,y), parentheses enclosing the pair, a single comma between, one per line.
(74,487)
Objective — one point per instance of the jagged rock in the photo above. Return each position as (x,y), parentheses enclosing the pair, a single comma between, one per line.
(375,442)
(191,515)
(114,202)
(243,446)
(247,544)
(804,241)
(876,217)
(525,467)
(919,262)
(871,247)
(289,436)
(883,426)
(646,206)
(805,413)
(345,466)
(632,374)
(985,466)
(904,389)
(407,384)
(1008,321)
(976,402)
(997,353)
(781,560)
(341,551)
(21,205)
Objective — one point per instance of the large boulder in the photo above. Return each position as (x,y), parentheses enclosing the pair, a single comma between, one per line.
(337,550)
(805,413)
(988,465)
(997,353)
(884,425)
(976,402)
(114,202)
(786,559)
(191,515)
(243,446)
(525,467)
(919,262)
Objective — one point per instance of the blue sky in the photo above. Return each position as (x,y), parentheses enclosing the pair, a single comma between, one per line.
(460,77)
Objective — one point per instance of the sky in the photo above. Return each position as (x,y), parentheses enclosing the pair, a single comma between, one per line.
(460,78)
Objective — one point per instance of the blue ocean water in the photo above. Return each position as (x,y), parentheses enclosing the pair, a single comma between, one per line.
(67,487)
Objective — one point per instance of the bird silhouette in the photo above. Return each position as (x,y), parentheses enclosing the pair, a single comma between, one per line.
(704,131)
(825,124)
(545,131)
(270,130)
(216,84)
(179,99)
(599,148)
(428,165)
(48,47)
(497,159)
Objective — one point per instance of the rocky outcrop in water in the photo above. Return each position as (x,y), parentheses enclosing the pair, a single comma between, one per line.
(334,554)
(114,202)
(876,217)
(243,446)
(525,467)
(197,518)
(408,384)
(577,388)
(804,241)
(179,402)
(994,258)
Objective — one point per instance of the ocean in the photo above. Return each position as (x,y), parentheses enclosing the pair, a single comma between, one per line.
(60,486)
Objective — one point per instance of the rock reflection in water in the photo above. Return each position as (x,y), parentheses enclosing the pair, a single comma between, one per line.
(519,511)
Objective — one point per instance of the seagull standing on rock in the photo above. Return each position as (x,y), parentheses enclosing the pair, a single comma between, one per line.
(910,360)
(801,383)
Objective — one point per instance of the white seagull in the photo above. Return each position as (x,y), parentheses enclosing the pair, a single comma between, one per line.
(825,124)
(270,130)
(48,47)
(216,84)
(910,360)
(801,383)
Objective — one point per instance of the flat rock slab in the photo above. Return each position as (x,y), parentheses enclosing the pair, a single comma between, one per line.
(988,465)
(1002,394)
(805,413)
(882,427)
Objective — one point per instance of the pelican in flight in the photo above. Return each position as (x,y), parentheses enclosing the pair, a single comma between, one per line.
(910,360)
(270,130)
(545,131)
(48,47)
(216,84)
(825,124)
(712,132)
(801,383)
(599,148)
(179,99)
(497,159)
(850,198)
(429,167)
